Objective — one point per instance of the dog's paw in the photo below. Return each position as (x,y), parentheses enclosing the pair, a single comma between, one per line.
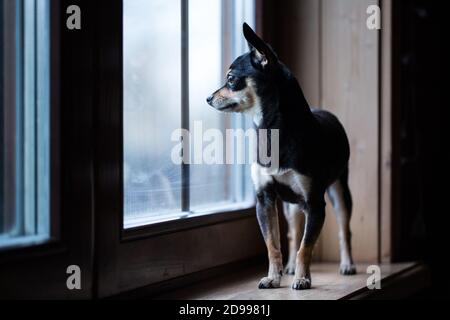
(301,284)
(347,269)
(289,269)
(269,283)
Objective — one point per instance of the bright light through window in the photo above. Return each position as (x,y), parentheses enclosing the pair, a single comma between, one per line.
(153,184)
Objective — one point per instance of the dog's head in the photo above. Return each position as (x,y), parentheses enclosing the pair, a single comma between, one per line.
(247,77)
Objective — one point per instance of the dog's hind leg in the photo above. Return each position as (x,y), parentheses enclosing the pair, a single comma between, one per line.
(296,221)
(267,214)
(315,217)
(340,196)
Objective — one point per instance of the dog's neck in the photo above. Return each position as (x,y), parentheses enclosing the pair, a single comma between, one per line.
(286,107)
(287,110)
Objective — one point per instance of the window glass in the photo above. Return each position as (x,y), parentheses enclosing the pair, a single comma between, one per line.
(152,104)
(153,107)
(24,122)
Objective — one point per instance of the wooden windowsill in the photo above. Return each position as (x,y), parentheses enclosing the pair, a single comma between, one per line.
(398,281)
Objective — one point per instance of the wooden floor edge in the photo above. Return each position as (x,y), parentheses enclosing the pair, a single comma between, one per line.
(399,285)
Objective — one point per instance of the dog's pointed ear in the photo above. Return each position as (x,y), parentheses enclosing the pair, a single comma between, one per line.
(262,53)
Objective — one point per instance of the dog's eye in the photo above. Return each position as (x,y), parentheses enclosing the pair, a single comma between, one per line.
(231,80)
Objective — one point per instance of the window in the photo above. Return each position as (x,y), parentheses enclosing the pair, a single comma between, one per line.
(175,54)
(24,122)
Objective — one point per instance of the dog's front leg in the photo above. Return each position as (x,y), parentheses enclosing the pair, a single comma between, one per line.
(315,217)
(268,221)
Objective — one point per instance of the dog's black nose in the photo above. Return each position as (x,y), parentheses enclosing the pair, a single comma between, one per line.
(209,99)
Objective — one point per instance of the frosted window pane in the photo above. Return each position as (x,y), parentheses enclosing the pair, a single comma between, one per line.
(209,184)
(152,106)
(152,97)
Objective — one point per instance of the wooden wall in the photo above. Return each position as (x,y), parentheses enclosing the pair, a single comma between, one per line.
(336,59)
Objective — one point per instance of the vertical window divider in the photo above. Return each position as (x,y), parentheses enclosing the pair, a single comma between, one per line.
(185,169)
(28,118)
(12,224)
(19,89)
(42,104)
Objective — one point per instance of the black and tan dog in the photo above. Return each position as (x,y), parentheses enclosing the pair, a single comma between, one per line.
(314,153)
